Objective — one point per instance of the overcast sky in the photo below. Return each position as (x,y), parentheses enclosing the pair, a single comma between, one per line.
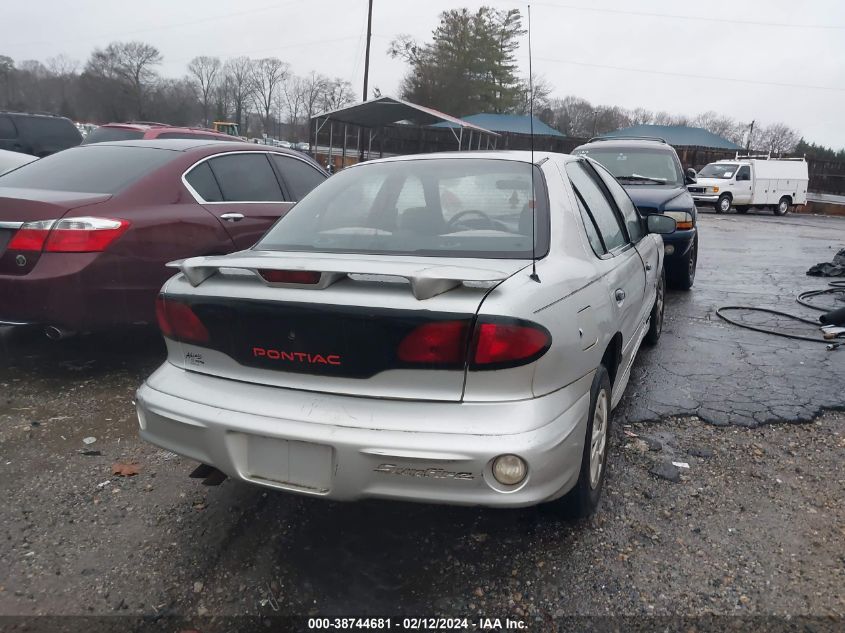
(685,58)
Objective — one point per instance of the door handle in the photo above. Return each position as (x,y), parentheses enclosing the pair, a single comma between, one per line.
(647,267)
(620,295)
(232,217)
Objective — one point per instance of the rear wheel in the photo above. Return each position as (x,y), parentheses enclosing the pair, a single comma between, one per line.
(655,326)
(683,274)
(723,204)
(584,498)
(783,206)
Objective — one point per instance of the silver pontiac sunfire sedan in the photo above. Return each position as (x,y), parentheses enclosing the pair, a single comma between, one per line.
(390,337)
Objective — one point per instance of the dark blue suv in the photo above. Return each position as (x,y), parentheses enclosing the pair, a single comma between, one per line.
(651,173)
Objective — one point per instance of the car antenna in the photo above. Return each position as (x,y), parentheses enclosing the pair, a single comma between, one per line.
(532,200)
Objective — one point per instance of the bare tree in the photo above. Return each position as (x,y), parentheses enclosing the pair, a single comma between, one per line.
(338,93)
(542,90)
(292,102)
(204,74)
(778,138)
(130,64)
(268,75)
(238,74)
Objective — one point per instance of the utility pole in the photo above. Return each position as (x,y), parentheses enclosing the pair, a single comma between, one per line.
(748,142)
(367,56)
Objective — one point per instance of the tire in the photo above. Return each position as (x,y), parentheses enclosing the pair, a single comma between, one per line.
(682,277)
(723,204)
(584,498)
(782,207)
(655,324)
(742,210)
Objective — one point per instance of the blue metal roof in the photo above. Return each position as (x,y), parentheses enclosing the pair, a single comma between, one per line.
(678,135)
(512,123)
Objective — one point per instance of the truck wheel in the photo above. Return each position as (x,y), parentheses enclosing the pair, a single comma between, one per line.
(723,204)
(683,275)
(742,209)
(783,206)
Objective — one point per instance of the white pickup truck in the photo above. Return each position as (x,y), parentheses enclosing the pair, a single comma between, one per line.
(752,181)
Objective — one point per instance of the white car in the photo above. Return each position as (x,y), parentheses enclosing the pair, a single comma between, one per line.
(428,328)
(13,160)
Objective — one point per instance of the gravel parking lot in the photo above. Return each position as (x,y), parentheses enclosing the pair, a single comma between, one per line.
(752,529)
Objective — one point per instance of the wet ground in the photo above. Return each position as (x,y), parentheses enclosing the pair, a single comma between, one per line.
(753,528)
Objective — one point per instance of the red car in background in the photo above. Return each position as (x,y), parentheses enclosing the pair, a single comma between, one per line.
(85,233)
(146,130)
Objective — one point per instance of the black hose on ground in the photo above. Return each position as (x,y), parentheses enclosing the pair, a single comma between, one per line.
(833,316)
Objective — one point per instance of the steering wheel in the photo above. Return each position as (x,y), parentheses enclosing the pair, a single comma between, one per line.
(455,220)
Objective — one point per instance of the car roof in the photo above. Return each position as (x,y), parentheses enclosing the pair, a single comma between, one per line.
(201,145)
(42,115)
(522,156)
(629,143)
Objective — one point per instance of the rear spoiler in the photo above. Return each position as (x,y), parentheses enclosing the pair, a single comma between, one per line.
(426,280)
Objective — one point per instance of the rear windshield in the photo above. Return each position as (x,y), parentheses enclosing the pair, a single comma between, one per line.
(103,134)
(430,207)
(718,170)
(94,169)
(50,129)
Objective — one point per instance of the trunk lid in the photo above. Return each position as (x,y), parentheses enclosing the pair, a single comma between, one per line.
(341,338)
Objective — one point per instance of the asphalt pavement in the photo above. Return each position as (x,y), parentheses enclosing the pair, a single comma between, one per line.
(749,532)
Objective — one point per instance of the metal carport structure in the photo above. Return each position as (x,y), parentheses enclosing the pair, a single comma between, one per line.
(375,114)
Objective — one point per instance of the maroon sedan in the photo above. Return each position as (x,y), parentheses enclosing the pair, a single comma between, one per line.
(85,233)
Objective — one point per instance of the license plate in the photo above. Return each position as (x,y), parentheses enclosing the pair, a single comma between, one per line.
(302,465)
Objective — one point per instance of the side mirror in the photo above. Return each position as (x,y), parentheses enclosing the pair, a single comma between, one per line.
(691,176)
(660,224)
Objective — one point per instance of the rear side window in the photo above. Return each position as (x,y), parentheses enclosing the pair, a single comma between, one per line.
(7,128)
(246,178)
(105,134)
(587,186)
(299,175)
(633,222)
(204,183)
(89,169)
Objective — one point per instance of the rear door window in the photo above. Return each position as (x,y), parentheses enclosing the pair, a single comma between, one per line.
(7,128)
(246,177)
(202,180)
(595,198)
(299,175)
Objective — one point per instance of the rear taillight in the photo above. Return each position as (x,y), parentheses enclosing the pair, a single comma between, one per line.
(496,344)
(439,343)
(305,277)
(68,235)
(505,344)
(178,321)
(31,236)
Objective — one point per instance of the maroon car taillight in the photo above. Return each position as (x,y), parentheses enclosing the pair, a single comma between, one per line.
(31,236)
(439,343)
(68,235)
(178,321)
(508,344)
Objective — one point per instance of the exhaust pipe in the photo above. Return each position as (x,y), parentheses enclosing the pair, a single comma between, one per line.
(56,333)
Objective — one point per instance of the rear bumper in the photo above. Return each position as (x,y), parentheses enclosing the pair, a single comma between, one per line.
(332,446)
(77,291)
